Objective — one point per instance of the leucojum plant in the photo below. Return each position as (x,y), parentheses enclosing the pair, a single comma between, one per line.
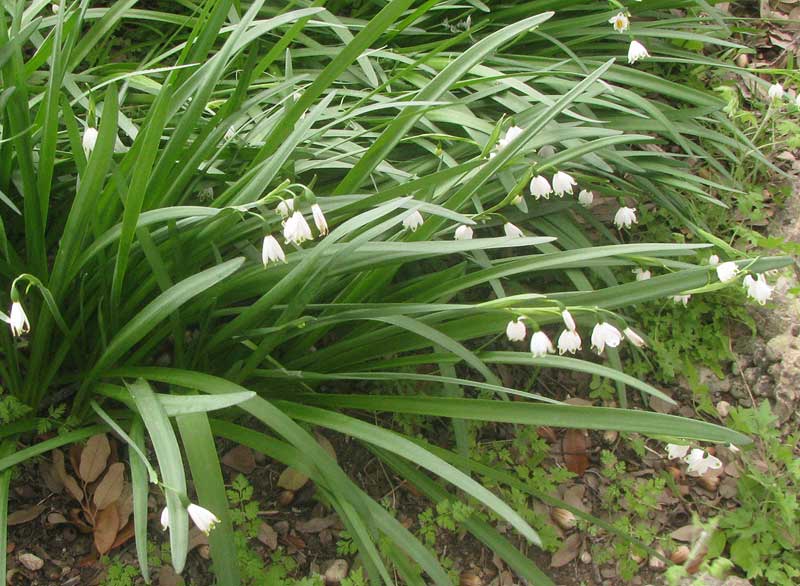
(163,279)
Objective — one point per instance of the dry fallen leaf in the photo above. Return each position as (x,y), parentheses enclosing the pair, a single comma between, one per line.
(316,525)
(291,479)
(68,481)
(268,536)
(25,515)
(106,527)
(94,458)
(110,488)
(687,533)
(573,496)
(574,449)
(568,552)
(241,459)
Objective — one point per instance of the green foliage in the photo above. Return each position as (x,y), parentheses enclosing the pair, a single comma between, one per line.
(118,574)
(763,533)
(630,504)
(135,253)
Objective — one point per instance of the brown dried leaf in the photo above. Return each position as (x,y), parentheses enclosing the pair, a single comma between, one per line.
(106,527)
(291,479)
(268,536)
(574,449)
(94,458)
(326,445)
(110,488)
(31,561)
(68,481)
(25,515)
(197,538)
(568,552)
(124,535)
(687,533)
(125,504)
(51,478)
(241,459)
(573,496)
(316,525)
(168,577)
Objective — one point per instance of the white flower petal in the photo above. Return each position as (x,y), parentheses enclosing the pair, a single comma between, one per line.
(512,231)
(636,51)
(625,217)
(463,232)
(569,341)
(319,219)
(18,320)
(413,221)
(515,330)
(203,518)
(541,344)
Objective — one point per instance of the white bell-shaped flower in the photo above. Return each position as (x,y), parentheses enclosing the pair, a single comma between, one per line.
(775,91)
(540,187)
(758,288)
(164,519)
(684,299)
(634,338)
(463,232)
(296,230)
(568,320)
(636,51)
(625,217)
(18,320)
(698,462)
(585,198)
(512,231)
(604,334)
(541,344)
(727,271)
(569,341)
(676,451)
(285,208)
(89,140)
(713,260)
(515,330)
(642,274)
(271,251)
(413,221)
(319,219)
(512,133)
(563,183)
(203,518)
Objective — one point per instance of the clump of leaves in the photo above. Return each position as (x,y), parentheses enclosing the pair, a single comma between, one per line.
(118,573)
(763,534)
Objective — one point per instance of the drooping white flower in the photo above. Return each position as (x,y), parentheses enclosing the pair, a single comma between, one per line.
(463,232)
(569,341)
(512,133)
(512,231)
(620,22)
(758,289)
(699,462)
(634,338)
(585,198)
(734,448)
(775,91)
(413,221)
(89,140)
(563,183)
(568,321)
(541,344)
(271,251)
(636,51)
(285,208)
(727,271)
(319,219)
(296,229)
(515,330)
(540,187)
(642,274)
(55,8)
(676,451)
(203,518)
(164,519)
(604,334)
(18,320)
(625,217)
(682,299)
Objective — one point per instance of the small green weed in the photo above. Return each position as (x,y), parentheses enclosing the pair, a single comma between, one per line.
(118,574)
